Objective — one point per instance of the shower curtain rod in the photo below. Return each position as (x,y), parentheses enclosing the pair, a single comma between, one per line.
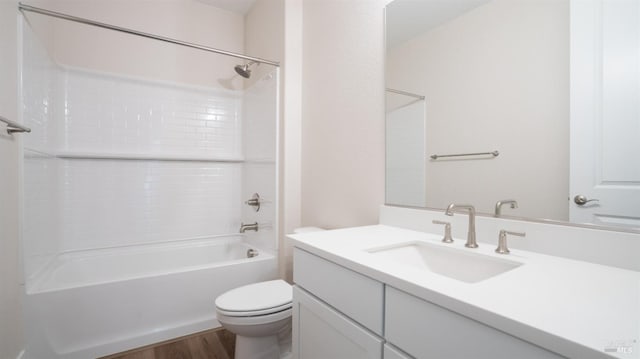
(59,15)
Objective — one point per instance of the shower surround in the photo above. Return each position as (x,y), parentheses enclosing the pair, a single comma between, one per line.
(134,192)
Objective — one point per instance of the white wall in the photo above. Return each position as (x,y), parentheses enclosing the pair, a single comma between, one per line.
(109,51)
(291,131)
(495,78)
(264,34)
(342,112)
(265,37)
(11,341)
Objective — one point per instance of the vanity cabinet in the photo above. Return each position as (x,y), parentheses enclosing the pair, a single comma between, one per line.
(393,353)
(337,313)
(425,330)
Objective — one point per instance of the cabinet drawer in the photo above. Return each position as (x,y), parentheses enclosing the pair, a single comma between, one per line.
(425,330)
(355,295)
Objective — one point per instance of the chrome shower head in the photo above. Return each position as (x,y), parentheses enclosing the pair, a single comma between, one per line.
(243,70)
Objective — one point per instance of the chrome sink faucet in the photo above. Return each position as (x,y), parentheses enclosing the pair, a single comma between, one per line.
(512,202)
(471,236)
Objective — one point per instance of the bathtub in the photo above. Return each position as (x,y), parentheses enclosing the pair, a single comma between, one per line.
(87,304)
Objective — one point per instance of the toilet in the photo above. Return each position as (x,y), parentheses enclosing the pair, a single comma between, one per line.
(260,316)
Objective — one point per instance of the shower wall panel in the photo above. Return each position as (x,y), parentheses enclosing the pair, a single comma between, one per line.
(115,160)
(260,148)
(120,115)
(118,202)
(145,161)
(41,216)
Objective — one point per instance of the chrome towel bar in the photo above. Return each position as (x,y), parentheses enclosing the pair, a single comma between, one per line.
(13,127)
(493,153)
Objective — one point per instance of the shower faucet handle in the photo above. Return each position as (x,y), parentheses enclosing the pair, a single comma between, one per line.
(254,202)
(248,227)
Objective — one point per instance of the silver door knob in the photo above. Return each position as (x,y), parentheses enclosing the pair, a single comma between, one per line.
(581,200)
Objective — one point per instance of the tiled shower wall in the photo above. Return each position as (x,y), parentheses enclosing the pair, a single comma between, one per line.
(259,170)
(106,114)
(41,211)
(116,161)
(110,202)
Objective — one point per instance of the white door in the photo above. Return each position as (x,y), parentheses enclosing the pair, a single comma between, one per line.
(319,332)
(605,112)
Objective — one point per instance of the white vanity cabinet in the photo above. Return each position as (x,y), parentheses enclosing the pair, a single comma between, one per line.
(425,330)
(337,313)
(393,353)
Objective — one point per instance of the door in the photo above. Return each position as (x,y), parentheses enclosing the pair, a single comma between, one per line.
(393,353)
(605,112)
(319,332)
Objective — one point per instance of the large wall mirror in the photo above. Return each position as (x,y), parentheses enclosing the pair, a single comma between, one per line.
(536,101)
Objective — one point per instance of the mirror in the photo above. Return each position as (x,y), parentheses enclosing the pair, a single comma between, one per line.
(490,77)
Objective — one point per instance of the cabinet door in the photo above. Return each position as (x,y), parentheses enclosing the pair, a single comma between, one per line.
(428,331)
(393,353)
(320,332)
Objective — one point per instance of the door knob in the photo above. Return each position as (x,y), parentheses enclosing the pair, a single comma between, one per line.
(581,200)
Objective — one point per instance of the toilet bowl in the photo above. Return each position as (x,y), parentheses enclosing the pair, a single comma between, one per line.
(259,315)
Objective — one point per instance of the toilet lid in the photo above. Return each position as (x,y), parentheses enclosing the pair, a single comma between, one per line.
(257,297)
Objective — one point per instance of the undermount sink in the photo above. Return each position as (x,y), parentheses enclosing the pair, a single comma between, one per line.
(458,264)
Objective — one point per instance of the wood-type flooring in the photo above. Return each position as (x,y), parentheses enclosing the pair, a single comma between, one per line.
(212,344)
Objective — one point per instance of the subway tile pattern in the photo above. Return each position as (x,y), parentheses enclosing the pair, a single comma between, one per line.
(88,203)
(105,113)
(41,223)
(116,202)
(39,77)
(259,169)
(260,118)
(41,211)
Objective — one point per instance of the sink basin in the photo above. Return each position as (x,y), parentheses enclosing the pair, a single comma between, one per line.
(454,263)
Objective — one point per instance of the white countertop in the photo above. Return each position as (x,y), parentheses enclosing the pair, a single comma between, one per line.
(576,309)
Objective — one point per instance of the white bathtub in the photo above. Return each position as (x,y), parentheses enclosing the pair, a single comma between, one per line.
(88,304)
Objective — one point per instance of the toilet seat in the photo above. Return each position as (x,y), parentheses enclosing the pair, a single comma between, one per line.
(254,319)
(254,313)
(256,299)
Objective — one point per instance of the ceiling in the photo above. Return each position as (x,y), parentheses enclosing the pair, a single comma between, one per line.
(405,19)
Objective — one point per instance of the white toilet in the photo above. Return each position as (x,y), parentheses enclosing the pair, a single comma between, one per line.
(260,316)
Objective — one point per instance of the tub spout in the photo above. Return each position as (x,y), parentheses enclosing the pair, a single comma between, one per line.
(248,227)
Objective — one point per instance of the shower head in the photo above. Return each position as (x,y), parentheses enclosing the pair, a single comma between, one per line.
(243,70)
